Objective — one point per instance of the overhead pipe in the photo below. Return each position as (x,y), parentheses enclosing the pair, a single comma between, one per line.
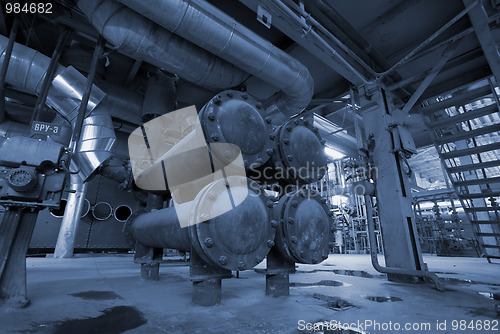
(208,27)
(141,39)
(5,65)
(27,71)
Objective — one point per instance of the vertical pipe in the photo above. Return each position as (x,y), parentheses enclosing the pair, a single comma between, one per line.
(5,66)
(388,270)
(76,201)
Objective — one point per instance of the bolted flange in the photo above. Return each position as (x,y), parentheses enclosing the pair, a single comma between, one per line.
(237,118)
(303,234)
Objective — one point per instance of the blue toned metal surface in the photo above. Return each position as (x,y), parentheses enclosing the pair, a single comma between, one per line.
(158,46)
(205,25)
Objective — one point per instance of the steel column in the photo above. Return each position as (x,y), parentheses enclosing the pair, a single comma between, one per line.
(393,192)
(16,228)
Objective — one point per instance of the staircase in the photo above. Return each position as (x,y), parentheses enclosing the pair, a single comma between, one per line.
(465,127)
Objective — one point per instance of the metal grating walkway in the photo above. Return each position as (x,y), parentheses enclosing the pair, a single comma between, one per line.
(465,128)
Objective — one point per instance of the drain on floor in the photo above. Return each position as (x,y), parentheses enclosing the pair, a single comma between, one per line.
(334,303)
(320,283)
(114,320)
(380,299)
(97,295)
(356,273)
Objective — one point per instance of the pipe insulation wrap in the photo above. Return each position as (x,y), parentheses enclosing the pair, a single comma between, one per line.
(139,38)
(208,27)
(27,70)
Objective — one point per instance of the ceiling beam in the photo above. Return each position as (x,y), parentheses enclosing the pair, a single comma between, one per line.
(448,52)
(479,20)
(286,24)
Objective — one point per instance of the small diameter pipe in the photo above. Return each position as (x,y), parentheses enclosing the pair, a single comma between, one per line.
(389,270)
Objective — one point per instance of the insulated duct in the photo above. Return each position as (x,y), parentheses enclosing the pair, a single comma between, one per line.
(27,70)
(139,38)
(208,27)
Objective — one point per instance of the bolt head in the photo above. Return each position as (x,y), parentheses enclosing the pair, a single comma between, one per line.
(259,161)
(291,220)
(295,204)
(289,157)
(274,223)
(209,242)
(223,260)
(270,243)
(244,96)
(288,128)
(268,120)
(293,239)
(211,116)
(296,122)
(241,265)
(258,105)
(315,130)
(230,95)
(215,137)
(269,151)
(272,136)
(218,99)
(286,141)
(270,204)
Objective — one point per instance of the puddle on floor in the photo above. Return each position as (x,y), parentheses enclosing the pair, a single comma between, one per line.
(491,295)
(114,320)
(452,280)
(343,272)
(97,295)
(334,303)
(382,299)
(320,283)
(492,311)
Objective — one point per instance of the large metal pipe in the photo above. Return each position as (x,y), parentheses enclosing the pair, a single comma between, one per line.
(74,207)
(160,229)
(235,240)
(203,24)
(139,38)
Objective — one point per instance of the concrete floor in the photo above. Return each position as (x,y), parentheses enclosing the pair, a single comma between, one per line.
(103,294)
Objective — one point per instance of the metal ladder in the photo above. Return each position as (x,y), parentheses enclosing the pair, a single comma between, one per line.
(465,129)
